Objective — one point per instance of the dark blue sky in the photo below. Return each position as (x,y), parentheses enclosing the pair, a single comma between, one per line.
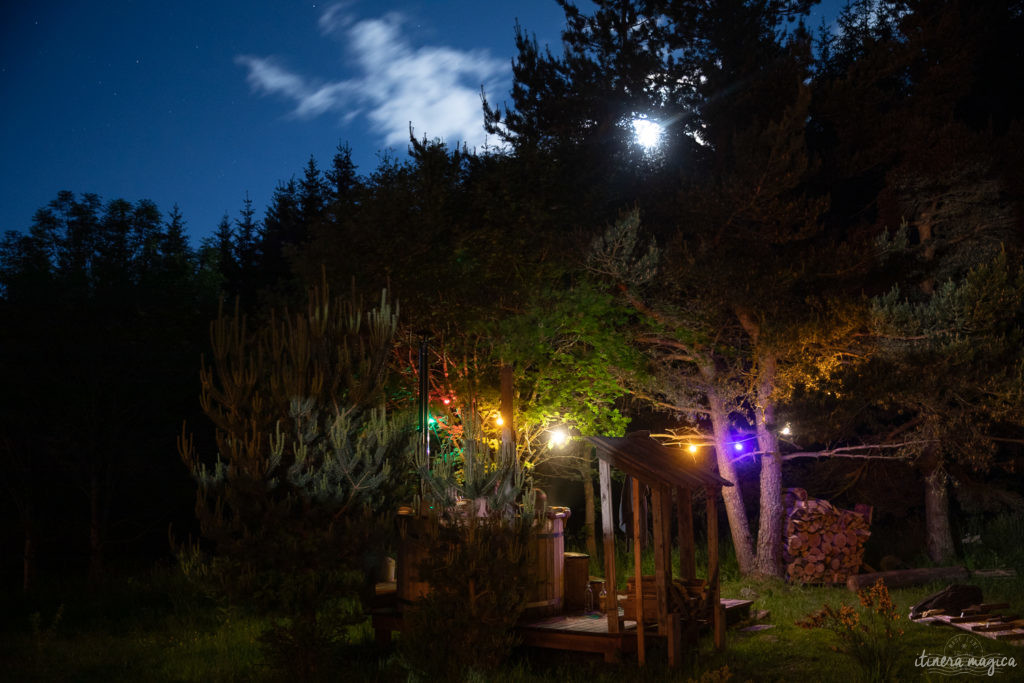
(198,102)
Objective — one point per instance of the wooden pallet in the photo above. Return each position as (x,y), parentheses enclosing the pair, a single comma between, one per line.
(983,620)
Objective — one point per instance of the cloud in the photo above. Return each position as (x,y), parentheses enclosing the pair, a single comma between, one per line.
(436,88)
(266,76)
(334,18)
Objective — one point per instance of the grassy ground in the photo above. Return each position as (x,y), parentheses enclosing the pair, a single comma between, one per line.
(154,628)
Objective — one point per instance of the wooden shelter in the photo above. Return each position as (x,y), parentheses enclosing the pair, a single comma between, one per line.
(664,470)
(654,601)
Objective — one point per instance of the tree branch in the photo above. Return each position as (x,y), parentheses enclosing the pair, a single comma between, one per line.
(849,451)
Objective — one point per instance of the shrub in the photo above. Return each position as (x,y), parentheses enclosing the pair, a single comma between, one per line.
(295,504)
(476,568)
(476,562)
(869,635)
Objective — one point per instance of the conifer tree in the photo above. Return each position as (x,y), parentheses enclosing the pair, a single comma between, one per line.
(298,496)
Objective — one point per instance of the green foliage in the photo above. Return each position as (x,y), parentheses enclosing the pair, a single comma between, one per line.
(968,333)
(102,306)
(573,361)
(870,636)
(477,571)
(494,482)
(42,635)
(296,503)
(481,511)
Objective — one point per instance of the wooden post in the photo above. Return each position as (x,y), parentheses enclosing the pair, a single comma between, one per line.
(675,640)
(611,606)
(638,579)
(668,621)
(684,511)
(714,589)
(662,559)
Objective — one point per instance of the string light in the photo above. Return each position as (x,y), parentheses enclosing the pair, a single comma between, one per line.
(786,431)
(558,438)
(692,448)
(499,420)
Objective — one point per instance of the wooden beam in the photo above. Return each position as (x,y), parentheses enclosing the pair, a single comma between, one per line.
(638,578)
(662,556)
(611,606)
(672,630)
(687,554)
(714,588)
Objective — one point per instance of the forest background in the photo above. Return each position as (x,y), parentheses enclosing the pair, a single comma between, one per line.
(827,236)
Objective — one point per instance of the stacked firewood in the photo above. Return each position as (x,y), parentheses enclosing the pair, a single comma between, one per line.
(823,544)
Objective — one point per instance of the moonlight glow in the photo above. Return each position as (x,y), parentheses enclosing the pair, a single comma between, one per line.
(647,133)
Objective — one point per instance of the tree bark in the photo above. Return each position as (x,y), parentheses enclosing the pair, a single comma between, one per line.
(29,567)
(95,532)
(938,534)
(739,525)
(769,533)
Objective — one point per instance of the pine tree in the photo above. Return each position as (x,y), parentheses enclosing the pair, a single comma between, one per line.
(298,496)
(96,324)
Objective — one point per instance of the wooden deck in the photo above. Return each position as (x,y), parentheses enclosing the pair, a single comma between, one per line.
(580,633)
(574,632)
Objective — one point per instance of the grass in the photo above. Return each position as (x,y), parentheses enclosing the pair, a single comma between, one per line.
(155,628)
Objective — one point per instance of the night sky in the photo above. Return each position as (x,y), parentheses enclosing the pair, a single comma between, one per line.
(198,102)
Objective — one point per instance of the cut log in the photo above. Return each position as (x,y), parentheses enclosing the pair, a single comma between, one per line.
(822,544)
(994,574)
(907,577)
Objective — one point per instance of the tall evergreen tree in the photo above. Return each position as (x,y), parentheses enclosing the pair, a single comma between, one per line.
(915,131)
(96,322)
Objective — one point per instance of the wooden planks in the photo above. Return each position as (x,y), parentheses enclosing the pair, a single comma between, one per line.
(984,623)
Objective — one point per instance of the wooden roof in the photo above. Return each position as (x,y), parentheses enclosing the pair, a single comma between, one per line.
(640,456)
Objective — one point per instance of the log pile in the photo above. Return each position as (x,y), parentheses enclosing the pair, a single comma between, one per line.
(823,544)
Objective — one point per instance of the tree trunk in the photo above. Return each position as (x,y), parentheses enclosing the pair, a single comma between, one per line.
(739,526)
(769,533)
(28,576)
(95,532)
(938,535)
(587,473)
